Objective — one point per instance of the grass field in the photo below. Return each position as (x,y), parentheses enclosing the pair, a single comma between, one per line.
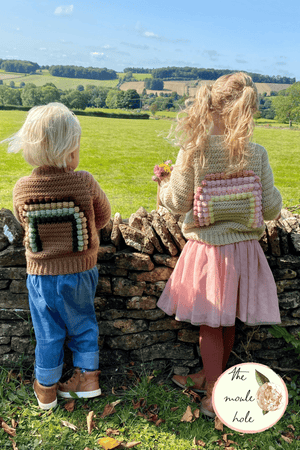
(121,154)
(39,79)
(146,415)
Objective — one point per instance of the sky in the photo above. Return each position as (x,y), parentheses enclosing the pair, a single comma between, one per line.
(261,36)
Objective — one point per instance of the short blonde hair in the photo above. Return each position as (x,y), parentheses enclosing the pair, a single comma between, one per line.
(48,137)
(232,97)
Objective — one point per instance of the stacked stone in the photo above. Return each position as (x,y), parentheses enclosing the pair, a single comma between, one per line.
(135,260)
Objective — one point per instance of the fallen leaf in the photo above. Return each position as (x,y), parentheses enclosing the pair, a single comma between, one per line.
(7,428)
(11,376)
(131,444)
(291,427)
(152,417)
(139,404)
(198,442)
(132,363)
(111,431)
(90,423)
(196,413)
(218,424)
(65,423)
(224,436)
(287,439)
(108,409)
(130,374)
(109,443)
(113,391)
(70,405)
(13,444)
(14,423)
(116,403)
(187,416)
(87,448)
(231,442)
(174,408)
(196,397)
(159,421)
(149,378)
(289,434)
(124,388)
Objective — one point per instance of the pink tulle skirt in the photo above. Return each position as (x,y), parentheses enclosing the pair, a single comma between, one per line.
(212,285)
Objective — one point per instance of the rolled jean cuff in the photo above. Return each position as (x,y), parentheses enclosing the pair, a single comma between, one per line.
(48,376)
(88,360)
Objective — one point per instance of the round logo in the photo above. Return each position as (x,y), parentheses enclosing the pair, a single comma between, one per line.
(249,397)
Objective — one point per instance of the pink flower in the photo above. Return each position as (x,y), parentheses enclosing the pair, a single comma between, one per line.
(162,170)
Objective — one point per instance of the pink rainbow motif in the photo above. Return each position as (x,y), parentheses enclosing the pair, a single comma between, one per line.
(242,186)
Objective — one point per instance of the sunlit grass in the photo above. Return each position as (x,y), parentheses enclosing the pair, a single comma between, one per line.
(121,155)
(137,398)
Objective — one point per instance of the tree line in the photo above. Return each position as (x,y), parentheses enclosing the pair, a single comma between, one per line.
(18,66)
(192,73)
(137,70)
(283,106)
(90,73)
(92,96)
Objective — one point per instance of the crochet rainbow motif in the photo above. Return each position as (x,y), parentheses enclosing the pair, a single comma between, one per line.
(220,196)
(51,213)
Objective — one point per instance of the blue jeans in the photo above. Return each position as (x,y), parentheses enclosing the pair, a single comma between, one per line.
(61,304)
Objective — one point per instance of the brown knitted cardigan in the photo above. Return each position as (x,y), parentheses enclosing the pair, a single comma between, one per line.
(61,211)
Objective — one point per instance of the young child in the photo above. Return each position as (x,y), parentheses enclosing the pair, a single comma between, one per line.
(224,185)
(61,211)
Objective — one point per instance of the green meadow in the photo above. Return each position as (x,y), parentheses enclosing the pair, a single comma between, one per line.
(41,78)
(121,154)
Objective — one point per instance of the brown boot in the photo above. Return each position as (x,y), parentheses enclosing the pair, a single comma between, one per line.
(83,384)
(206,403)
(198,379)
(46,395)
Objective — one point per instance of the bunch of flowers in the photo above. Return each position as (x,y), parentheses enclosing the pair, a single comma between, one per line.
(162,170)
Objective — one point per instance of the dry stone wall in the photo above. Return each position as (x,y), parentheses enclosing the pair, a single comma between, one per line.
(135,260)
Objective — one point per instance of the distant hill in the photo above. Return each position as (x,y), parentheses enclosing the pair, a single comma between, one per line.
(190,87)
(181,87)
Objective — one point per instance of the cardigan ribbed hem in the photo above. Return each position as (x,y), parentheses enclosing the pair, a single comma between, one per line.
(62,266)
(211,238)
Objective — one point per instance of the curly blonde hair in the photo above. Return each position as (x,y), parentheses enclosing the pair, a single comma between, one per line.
(48,136)
(234,99)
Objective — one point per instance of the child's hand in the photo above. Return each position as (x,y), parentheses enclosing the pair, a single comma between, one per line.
(162,171)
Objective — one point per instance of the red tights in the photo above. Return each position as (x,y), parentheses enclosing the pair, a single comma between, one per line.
(215,347)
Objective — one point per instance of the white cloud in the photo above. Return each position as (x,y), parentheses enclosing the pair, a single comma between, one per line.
(97,55)
(149,34)
(64,10)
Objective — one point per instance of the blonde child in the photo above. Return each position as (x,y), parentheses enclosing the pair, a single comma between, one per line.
(61,211)
(224,185)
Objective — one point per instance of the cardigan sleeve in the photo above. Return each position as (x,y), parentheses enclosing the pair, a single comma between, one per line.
(101,205)
(17,192)
(177,193)
(271,197)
